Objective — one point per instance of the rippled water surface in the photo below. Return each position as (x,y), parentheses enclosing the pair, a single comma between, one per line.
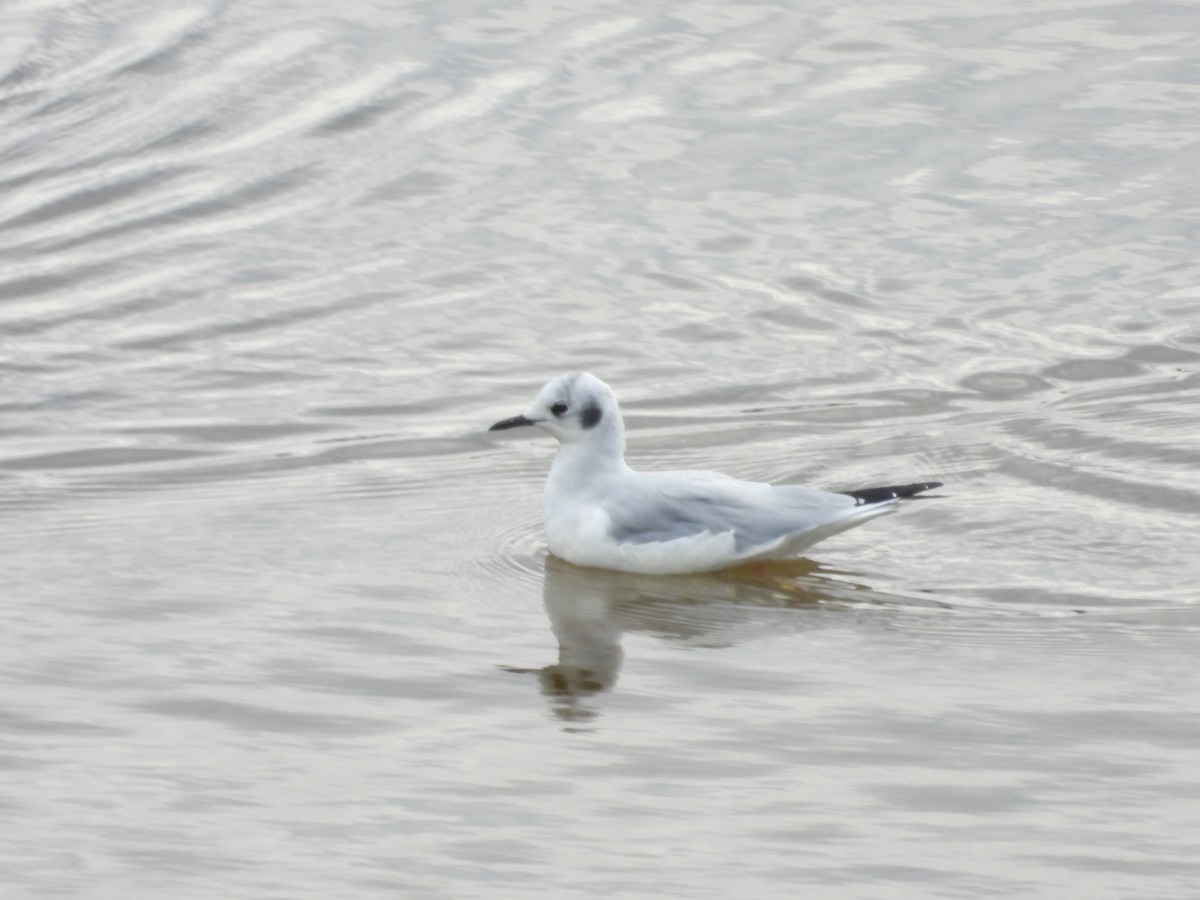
(277,617)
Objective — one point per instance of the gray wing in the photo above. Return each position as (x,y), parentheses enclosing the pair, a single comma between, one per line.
(655,507)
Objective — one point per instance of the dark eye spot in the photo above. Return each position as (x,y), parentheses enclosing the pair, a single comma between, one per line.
(591,416)
(558,408)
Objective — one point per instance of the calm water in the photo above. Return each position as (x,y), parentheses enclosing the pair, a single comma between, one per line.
(277,616)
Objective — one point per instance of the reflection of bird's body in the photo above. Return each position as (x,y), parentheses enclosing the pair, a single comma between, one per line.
(599,512)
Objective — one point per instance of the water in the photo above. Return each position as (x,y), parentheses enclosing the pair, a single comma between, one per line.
(278,620)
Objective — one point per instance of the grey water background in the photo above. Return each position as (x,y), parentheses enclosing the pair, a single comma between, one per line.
(277,619)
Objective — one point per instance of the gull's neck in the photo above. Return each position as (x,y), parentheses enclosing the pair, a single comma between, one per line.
(598,457)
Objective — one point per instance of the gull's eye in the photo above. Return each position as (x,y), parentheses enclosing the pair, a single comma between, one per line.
(558,408)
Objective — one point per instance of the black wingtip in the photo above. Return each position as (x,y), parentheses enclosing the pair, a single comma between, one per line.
(892,492)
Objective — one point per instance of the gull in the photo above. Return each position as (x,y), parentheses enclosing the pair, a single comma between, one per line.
(600,513)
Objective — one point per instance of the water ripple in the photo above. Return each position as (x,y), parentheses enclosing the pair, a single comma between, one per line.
(270,269)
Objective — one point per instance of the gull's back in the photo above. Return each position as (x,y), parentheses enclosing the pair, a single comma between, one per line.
(712,521)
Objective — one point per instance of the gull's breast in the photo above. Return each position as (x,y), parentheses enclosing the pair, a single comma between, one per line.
(577,532)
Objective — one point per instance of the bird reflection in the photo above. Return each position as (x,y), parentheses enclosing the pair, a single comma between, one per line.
(590,610)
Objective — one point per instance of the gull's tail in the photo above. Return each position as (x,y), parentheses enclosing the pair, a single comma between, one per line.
(892,492)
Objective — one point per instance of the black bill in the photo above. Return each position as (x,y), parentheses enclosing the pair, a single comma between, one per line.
(514,422)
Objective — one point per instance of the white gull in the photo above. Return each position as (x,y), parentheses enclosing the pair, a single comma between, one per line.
(599,512)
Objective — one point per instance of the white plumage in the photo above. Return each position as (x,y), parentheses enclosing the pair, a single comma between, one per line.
(599,512)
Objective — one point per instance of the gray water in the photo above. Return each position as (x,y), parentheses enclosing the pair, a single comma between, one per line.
(277,616)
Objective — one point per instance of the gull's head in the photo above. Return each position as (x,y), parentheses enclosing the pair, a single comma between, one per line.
(574,407)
